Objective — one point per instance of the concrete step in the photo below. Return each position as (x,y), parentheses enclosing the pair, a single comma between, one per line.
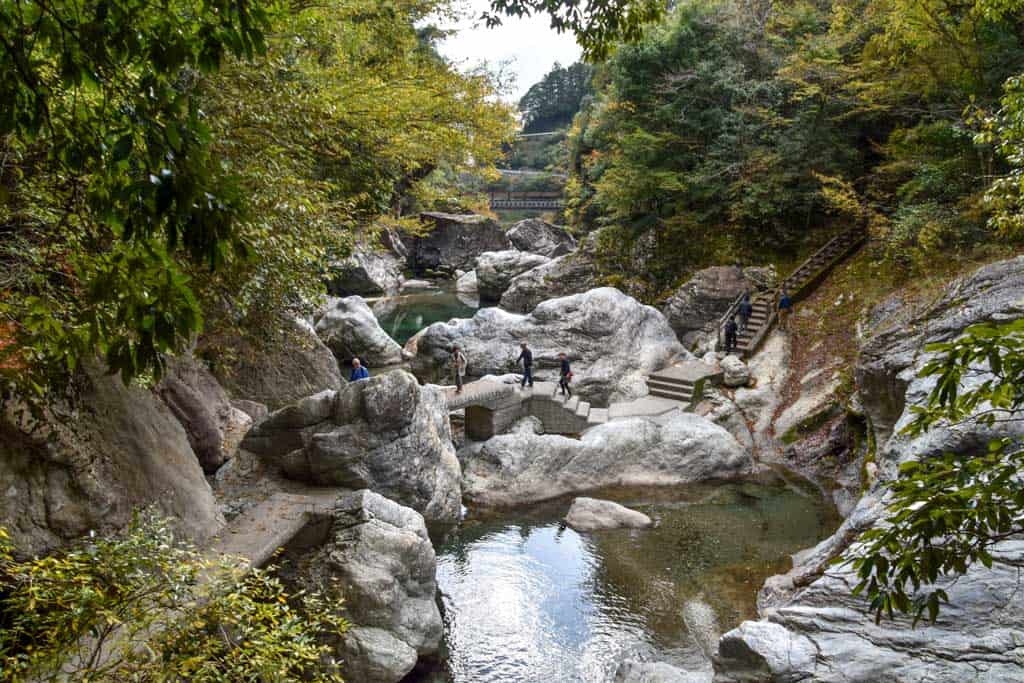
(572,403)
(669,385)
(598,416)
(674,395)
(583,409)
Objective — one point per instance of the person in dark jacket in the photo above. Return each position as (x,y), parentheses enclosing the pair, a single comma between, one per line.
(785,310)
(526,356)
(358,371)
(730,335)
(746,310)
(564,376)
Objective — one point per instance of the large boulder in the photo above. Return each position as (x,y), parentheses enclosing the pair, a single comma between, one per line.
(511,469)
(291,364)
(570,274)
(540,237)
(367,273)
(350,330)
(613,342)
(695,308)
(90,466)
(382,558)
(454,241)
(592,514)
(495,270)
(813,627)
(213,425)
(386,433)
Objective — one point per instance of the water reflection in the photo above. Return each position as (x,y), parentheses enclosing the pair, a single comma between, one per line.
(403,316)
(525,599)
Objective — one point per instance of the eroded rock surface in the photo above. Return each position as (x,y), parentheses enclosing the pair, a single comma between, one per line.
(495,270)
(540,237)
(387,434)
(612,340)
(350,329)
(367,272)
(570,274)
(454,241)
(523,467)
(592,514)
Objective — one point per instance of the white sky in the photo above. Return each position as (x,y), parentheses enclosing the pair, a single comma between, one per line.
(528,45)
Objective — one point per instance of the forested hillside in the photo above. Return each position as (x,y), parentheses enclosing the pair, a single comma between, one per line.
(736,131)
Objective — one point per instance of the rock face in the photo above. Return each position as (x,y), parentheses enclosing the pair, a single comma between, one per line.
(591,514)
(386,433)
(297,365)
(495,270)
(350,329)
(454,242)
(381,555)
(214,426)
(695,308)
(90,467)
(570,274)
(520,468)
(812,627)
(735,372)
(540,237)
(367,272)
(613,342)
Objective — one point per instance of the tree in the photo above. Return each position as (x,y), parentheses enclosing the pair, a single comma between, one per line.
(141,607)
(552,102)
(945,513)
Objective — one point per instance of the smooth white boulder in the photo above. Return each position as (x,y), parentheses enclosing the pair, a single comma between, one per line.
(592,514)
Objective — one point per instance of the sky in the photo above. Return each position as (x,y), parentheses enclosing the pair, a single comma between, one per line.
(528,45)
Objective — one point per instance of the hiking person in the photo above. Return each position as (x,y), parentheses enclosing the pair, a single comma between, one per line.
(785,310)
(358,371)
(564,376)
(730,335)
(526,356)
(746,309)
(459,363)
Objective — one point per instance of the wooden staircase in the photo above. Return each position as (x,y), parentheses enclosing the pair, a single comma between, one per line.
(798,284)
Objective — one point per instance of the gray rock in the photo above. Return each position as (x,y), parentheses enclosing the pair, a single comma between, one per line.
(350,330)
(386,433)
(495,270)
(468,283)
(519,468)
(454,241)
(367,272)
(638,671)
(570,274)
(591,514)
(257,411)
(90,467)
(293,364)
(540,237)
(695,308)
(418,286)
(613,342)
(380,554)
(735,372)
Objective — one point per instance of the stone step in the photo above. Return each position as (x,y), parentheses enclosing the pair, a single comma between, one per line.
(572,403)
(597,416)
(674,395)
(583,409)
(656,383)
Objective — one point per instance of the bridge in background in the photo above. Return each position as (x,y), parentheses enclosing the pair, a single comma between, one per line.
(514,199)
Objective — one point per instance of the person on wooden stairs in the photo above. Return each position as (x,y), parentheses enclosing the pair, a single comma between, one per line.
(746,309)
(565,375)
(730,334)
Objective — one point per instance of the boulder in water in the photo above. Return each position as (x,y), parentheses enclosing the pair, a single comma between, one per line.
(592,514)
(495,270)
(540,237)
(386,433)
(350,330)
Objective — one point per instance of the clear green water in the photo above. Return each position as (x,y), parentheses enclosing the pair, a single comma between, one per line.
(525,599)
(403,316)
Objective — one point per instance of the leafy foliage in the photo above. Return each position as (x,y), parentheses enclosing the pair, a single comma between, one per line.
(945,513)
(140,607)
(552,102)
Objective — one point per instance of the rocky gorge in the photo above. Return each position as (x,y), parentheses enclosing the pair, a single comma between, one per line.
(204,446)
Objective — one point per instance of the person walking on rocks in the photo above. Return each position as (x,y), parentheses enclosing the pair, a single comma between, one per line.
(565,376)
(746,310)
(785,310)
(459,363)
(526,356)
(730,335)
(358,371)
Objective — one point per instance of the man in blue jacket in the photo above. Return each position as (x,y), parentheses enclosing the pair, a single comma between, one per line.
(358,371)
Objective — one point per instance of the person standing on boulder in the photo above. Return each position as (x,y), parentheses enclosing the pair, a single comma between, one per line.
(745,310)
(785,309)
(565,376)
(459,363)
(730,335)
(358,371)
(526,356)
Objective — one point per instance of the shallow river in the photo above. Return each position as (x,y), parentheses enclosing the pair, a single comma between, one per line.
(526,599)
